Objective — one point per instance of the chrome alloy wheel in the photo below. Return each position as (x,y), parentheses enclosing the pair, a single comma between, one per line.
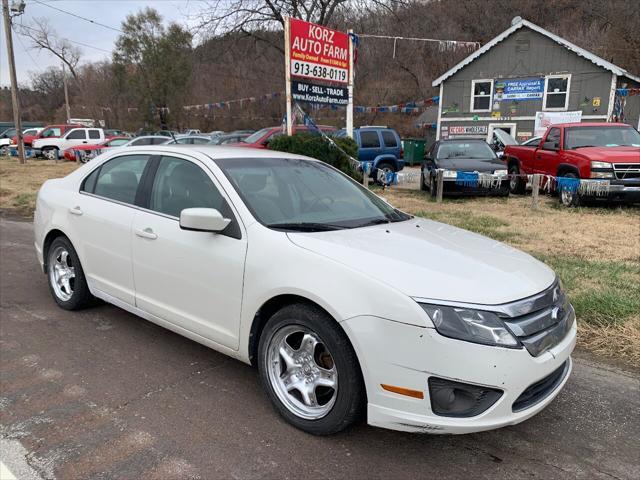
(302,372)
(62,274)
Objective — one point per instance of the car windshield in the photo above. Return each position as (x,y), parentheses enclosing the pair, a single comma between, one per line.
(581,137)
(465,150)
(51,132)
(254,137)
(303,195)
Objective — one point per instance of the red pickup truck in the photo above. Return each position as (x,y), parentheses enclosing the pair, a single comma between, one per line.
(609,151)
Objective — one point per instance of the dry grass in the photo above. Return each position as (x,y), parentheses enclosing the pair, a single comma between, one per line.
(620,341)
(19,184)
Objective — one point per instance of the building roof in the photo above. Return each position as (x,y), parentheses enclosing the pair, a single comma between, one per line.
(519,23)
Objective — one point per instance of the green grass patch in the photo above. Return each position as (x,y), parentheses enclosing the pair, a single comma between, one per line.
(603,293)
(486,225)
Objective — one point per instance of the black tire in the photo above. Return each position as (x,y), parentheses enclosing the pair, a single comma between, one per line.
(517,185)
(50,153)
(433,186)
(423,187)
(385,166)
(80,297)
(569,199)
(350,397)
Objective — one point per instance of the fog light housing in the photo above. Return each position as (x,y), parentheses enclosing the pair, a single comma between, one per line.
(456,399)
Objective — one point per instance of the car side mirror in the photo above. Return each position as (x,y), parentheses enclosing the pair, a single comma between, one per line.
(551,146)
(203,220)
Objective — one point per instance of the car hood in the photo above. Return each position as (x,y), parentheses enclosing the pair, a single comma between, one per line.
(431,260)
(611,154)
(471,165)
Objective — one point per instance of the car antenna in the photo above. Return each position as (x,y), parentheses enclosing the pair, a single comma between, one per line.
(173,136)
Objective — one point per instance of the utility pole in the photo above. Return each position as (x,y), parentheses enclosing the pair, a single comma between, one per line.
(66,92)
(14,81)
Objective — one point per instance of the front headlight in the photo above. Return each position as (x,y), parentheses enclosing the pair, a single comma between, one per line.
(500,172)
(606,165)
(470,325)
(449,174)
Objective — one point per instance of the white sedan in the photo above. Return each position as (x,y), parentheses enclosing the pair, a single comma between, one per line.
(346,305)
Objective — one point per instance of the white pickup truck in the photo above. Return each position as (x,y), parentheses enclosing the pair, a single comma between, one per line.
(53,147)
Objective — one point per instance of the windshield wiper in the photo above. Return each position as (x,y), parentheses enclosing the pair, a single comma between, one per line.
(583,146)
(306,226)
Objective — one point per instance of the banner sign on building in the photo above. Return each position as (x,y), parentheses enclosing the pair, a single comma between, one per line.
(545,119)
(468,130)
(519,89)
(318,52)
(323,94)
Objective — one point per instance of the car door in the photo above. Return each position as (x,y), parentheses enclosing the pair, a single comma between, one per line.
(75,137)
(547,157)
(101,216)
(94,136)
(188,278)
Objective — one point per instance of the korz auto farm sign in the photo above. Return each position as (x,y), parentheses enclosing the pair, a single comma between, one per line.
(318,52)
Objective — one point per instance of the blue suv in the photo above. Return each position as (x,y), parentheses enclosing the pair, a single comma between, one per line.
(379,145)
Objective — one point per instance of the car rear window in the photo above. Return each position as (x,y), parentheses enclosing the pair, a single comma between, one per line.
(389,138)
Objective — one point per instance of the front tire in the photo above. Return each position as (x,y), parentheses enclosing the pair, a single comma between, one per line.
(310,371)
(50,153)
(386,168)
(423,187)
(67,283)
(567,197)
(517,186)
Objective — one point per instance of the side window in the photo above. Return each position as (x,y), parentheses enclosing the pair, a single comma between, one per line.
(369,139)
(89,183)
(94,134)
(158,141)
(200,141)
(552,138)
(389,139)
(141,141)
(181,184)
(77,135)
(118,179)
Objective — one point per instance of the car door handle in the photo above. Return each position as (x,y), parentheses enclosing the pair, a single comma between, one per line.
(146,233)
(75,210)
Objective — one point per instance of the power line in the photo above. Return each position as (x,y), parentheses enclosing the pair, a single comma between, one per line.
(79,16)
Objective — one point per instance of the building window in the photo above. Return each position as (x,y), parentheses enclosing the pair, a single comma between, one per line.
(556,92)
(481,95)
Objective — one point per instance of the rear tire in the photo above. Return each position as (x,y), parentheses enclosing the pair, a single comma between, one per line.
(302,352)
(50,153)
(67,283)
(433,187)
(386,168)
(517,186)
(423,187)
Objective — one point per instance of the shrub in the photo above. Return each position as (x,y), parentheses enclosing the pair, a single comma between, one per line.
(316,146)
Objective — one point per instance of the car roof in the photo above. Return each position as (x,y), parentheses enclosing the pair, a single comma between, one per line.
(447,140)
(220,152)
(590,124)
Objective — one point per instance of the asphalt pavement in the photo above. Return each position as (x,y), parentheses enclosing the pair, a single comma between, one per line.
(103,394)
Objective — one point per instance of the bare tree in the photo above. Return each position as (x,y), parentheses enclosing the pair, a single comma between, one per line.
(43,37)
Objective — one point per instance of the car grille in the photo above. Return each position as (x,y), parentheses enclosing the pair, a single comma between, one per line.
(541,389)
(542,321)
(626,171)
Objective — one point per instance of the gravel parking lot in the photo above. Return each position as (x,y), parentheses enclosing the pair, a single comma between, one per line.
(103,394)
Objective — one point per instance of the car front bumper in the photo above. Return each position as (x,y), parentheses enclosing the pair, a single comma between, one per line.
(415,354)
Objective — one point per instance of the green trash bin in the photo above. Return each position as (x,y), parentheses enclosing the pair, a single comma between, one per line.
(414,151)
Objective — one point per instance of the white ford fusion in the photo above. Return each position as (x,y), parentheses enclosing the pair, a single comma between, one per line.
(345,305)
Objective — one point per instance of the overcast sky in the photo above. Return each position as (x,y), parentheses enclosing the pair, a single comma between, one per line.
(108,12)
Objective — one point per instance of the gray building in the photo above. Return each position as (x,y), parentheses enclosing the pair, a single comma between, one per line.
(527,77)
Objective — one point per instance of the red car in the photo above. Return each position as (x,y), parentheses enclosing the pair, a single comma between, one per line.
(69,153)
(27,136)
(605,151)
(261,138)
(50,131)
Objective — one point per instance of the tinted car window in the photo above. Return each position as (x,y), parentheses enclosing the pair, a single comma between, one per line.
(94,134)
(141,141)
(553,137)
(200,141)
(158,141)
(369,139)
(77,135)
(181,184)
(389,138)
(118,179)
